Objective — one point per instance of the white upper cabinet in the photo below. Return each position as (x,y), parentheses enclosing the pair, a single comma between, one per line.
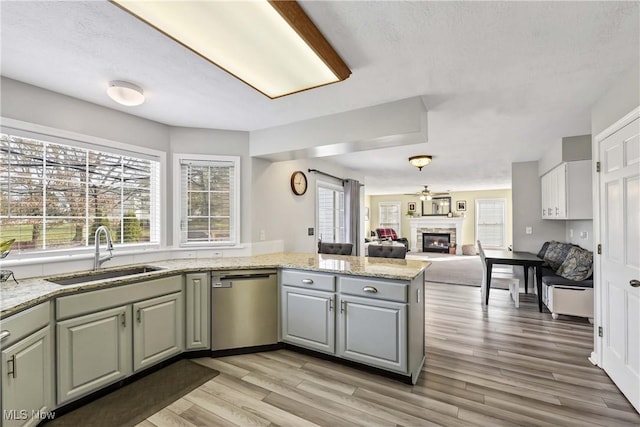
(566,191)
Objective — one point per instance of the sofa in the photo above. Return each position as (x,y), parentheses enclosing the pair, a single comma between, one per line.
(567,279)
(390,234)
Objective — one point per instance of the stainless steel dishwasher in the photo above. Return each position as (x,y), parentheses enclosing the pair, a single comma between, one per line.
(244,309)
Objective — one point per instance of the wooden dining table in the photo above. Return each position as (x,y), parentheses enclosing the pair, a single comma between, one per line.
(525,259)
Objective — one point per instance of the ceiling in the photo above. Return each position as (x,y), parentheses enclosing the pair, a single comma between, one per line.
(503,81)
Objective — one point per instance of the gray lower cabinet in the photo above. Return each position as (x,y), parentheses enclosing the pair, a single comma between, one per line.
(105,335)
(307,318)
(373,332)
(197,312)
(157,330)
(374,321)
(94,350)
(26,380)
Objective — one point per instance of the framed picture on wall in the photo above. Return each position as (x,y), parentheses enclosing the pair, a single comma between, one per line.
(412,206)
(461,205)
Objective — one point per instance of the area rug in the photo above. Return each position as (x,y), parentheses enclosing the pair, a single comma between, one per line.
(139,400)
(452,269)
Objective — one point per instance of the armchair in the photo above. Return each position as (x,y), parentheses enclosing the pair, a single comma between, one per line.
(390,233)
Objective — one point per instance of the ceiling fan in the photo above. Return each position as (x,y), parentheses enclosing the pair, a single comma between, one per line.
(427,194)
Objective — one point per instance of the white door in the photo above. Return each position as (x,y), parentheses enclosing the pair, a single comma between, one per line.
(620,260)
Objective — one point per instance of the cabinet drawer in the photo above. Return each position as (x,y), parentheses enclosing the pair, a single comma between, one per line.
(22,324)
(372,288)
(309,280)
(89,302)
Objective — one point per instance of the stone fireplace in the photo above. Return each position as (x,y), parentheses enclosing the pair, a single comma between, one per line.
(452,227)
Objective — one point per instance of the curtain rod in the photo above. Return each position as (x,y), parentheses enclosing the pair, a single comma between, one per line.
(326,174)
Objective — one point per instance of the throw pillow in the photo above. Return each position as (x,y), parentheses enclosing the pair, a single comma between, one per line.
(578,264)
(543,250)
(556,254)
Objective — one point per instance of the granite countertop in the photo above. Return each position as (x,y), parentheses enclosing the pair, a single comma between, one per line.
(29,292)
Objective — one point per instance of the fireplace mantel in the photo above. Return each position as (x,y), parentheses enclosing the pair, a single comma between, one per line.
(435,222)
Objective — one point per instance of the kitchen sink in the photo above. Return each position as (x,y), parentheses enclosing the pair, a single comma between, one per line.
(102,275)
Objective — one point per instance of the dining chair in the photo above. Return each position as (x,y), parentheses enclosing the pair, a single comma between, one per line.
(387,251)
(335,248)
(499,276)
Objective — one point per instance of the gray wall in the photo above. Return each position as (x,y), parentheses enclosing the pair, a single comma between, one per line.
(617,101)
(215,142)
(32,104)
(267,202)
(527,205)
(279,213)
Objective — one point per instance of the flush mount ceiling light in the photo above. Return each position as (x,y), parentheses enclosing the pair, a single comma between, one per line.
(125,93)
(272,46)
(420,161)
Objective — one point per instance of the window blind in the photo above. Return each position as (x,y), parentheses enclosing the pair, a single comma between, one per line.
(209,192)
(490,222)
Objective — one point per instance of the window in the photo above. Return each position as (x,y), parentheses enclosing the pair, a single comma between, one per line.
(389,216)
(331,216)
(54,193)
(490,223)
(209,196)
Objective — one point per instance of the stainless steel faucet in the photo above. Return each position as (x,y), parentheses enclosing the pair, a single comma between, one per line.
(97,262)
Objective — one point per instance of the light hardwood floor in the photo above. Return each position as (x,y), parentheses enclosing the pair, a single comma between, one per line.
(487,366)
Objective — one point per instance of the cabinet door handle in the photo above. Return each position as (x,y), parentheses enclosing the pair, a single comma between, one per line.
(138,316)
(12,370)
(123,317)
(4,335)
(343,307)
(557,211)
(307,281)
(548,211)
(370,289)
(635,283)
(331,304)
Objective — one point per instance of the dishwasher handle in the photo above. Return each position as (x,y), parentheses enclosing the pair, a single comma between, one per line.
(227,281)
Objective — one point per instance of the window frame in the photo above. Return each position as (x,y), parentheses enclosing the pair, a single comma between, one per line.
(83,141)
(395,204)
(236,218)
(503,244)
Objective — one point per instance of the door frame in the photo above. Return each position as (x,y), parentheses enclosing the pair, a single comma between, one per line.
(596,354)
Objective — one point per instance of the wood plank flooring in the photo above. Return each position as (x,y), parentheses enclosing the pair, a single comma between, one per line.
(486,366)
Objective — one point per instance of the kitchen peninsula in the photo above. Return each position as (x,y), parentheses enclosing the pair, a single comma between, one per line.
(364,311)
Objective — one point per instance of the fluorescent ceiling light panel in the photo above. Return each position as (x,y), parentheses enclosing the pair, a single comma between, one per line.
(272,46)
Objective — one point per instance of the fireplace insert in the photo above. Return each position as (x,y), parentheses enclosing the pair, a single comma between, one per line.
(436,242)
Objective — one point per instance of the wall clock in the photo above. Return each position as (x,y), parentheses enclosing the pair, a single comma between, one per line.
(298,183)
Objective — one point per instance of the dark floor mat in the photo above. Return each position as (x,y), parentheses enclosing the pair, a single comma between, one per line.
(139,400)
